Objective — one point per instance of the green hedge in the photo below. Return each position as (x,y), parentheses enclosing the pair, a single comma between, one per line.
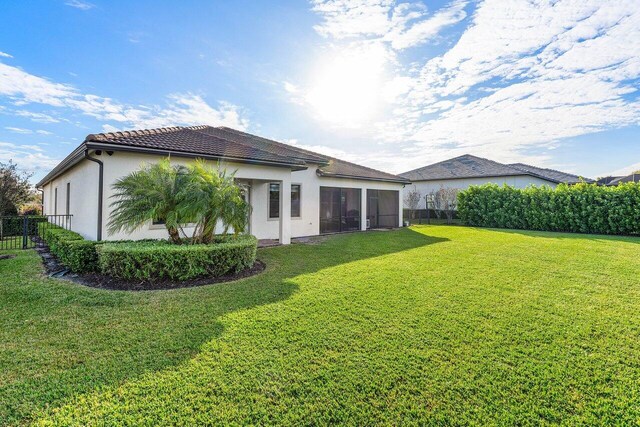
(581,208)
(76,253)
(13,225)
(163,260)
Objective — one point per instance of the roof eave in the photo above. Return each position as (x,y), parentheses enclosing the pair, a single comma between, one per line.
(364,178)
(470,177)
(175,153)
(72,159)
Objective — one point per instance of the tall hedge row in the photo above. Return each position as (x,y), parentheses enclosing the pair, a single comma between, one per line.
(581,208)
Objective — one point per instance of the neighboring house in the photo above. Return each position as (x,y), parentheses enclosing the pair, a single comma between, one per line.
(461,172)
(615,180)
(292,192)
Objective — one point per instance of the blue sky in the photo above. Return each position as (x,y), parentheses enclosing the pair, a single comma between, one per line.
(393,85)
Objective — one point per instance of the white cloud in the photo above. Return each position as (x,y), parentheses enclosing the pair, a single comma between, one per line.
(36,117)
(525,75)
(402,25)
(29,157)
(78,4)
(44,132)
(180,109)
(5,55)
(18,130)
(404,36)
(27,88)
(522,76)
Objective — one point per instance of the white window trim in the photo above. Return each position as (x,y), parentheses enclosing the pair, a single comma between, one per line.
(277,218)
(269,217)
(300,185)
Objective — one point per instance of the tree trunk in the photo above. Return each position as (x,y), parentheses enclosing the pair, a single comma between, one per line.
(174,235)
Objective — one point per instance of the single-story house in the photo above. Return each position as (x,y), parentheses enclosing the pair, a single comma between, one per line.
(615,180)
(292,192)
(466,170)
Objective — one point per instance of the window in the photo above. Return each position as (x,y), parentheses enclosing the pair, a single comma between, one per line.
(68,196)
(274,200)
(295,200)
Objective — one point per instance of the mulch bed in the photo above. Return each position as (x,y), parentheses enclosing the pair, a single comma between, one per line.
(95,280)
(7,256)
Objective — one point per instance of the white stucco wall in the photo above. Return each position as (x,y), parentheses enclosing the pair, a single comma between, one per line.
(123,163)
(84,183)
(83,201)
(517,181)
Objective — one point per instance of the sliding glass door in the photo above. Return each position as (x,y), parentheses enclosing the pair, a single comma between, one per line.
(383,208)
(339,209)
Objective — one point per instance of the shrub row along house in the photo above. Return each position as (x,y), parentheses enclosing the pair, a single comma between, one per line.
(292,192)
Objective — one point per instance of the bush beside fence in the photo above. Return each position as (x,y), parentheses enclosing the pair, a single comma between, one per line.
(14,225)
(581,208)
(151,260)
(76,253)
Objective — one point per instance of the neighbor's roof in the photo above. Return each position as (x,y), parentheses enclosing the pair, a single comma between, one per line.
(605,180)
(550,174)
(465,166)
(468,166)
(218,143)
(634,177)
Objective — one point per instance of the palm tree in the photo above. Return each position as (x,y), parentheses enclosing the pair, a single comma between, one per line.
(212,197)
(154,193)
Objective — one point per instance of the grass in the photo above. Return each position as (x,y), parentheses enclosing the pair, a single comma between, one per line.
(431,325)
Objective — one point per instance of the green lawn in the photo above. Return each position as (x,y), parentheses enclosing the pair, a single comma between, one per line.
(431,325)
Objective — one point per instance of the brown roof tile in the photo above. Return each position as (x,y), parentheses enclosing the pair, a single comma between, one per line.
(187,140)
(225,142)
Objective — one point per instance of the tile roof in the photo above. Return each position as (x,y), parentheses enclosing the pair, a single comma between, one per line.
(605,180)
(259,142)
(189,140)
(550,174)
(341,168)
(225,142)
(465,166)
(468,166)
(634,177)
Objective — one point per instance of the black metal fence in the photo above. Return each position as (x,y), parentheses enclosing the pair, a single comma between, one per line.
(431,216)
(25,231)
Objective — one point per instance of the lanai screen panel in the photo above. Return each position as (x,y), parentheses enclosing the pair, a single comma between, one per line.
(383,208)
(339,209)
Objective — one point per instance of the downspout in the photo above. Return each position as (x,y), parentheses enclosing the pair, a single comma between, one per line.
(100,188)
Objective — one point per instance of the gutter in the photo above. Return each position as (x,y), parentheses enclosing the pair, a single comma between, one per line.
(100,190)
(74,157)
(363,178)
(78,155)
(175,153)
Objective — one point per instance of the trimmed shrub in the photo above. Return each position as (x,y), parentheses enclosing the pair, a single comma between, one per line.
(76,253)
(581,208)
(162,260)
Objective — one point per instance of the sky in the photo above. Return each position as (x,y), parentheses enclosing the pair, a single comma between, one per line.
(393,85)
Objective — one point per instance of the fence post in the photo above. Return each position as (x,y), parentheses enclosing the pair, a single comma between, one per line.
(25,225)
